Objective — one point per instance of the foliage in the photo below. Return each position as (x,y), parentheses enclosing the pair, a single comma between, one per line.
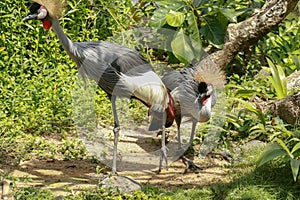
(33,193)
(245,181)
(95,194)
(246,117)
(280,148)
(278,79)
(38,82)
(196,22)
(282,45)
(37,78)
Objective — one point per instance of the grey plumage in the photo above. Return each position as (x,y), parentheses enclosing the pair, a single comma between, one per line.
(118,70)
(193,98)
(184,90)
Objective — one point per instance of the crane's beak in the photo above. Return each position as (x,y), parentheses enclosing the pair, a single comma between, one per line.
(30,17)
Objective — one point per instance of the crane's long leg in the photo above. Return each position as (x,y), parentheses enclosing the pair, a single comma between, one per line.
(178,122)
(178,137)
(116,134)
(164,150)
(189,163)
(194,123)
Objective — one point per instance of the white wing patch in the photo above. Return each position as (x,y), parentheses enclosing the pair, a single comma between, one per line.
(147,87)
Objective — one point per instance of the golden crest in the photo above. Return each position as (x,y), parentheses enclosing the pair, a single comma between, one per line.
(207,71)
(54,7)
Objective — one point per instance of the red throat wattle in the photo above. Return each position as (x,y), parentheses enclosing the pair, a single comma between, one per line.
(170,110)
(205,99)
(46,24)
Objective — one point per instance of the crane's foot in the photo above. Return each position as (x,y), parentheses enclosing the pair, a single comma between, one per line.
(163,156)
(190,165)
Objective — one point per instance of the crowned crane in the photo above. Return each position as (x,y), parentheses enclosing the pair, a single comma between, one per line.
(194,95)
(119,71)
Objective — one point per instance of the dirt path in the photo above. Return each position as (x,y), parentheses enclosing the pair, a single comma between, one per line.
(69,177)
(65,177)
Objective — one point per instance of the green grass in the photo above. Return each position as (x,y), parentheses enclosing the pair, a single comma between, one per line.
(272,181)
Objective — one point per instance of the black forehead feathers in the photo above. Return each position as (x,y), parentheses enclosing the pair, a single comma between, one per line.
(202,87)
(34,7)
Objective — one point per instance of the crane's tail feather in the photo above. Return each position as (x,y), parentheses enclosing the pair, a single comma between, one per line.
(158,118)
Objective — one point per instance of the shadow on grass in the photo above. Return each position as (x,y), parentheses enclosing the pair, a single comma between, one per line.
(271,181)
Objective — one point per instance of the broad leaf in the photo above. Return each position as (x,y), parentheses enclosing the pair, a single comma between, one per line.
(197,3)
(295,164)
(168,2)
(214,30)
(181,47)
(158,18)
(194,35)
(272,151)
(230,14)
(276,86)
(174,18)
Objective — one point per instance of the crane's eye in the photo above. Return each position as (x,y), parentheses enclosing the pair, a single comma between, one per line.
(202,87)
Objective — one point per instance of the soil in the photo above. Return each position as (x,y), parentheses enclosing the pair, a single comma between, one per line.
(66,177)
(69,177)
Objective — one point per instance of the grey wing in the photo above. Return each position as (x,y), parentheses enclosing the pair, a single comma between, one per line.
(105,62)
(177,78)
(172,79)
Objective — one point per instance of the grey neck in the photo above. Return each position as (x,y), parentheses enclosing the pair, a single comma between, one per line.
(63,38)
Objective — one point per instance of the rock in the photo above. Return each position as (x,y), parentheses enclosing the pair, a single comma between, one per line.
(287,108)
(122,183)
(253,144)
(293,81)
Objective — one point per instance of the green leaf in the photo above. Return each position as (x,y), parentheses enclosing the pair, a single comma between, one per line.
(158,18)
(197,3)
(278,79)
(194,35)
(272,151)
(296,147)
(250,107)
(243,93)
(214,30)
(295,164)
(174,18)
(282,79)
(282,144)
(230,14)
(181,47)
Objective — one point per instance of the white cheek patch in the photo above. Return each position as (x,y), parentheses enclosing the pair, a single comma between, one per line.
(42,14)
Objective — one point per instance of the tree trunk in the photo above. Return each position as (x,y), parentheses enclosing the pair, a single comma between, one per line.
(246,33)
(242,35)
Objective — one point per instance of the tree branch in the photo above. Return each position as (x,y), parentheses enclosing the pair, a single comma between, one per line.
(246,33)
